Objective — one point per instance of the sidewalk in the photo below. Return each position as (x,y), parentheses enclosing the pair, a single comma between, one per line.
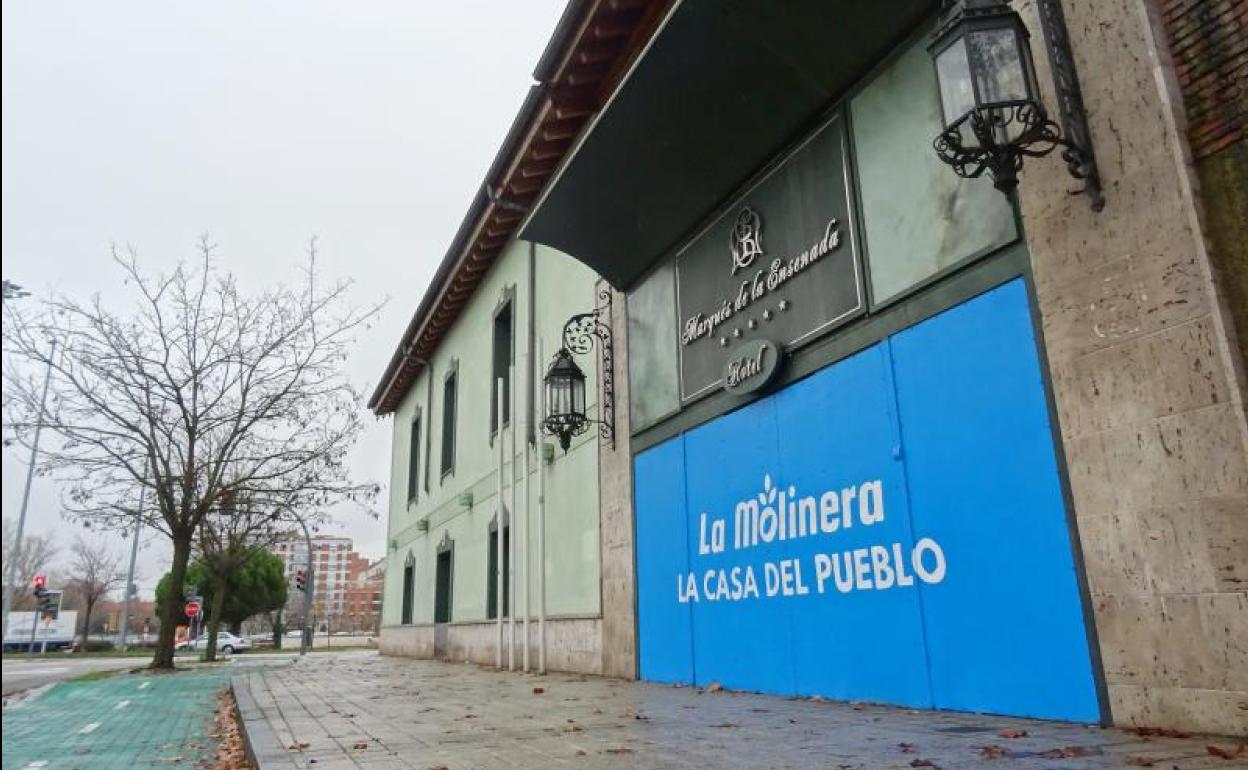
(140,721)
(374,713)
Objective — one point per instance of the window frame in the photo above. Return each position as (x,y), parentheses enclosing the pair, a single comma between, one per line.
(414,430)
(407,608)
(506,304)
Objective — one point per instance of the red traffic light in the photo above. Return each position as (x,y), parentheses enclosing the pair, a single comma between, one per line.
(40,582)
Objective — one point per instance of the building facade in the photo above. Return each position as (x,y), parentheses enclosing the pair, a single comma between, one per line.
(457,470)
(883,432)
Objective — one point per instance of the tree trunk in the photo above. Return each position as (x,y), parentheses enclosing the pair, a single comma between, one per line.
(86,625)
(219,598)
(171,614)
(278,630)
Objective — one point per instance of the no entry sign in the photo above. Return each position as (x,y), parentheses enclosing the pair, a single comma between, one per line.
(192,609)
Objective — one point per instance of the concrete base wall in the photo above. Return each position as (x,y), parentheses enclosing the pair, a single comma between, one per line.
(572,644)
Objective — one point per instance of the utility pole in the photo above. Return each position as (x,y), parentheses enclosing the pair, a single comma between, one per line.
(134,553)
(16,553)
(305,639)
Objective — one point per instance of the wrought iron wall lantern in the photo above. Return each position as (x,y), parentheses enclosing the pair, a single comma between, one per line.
(565,381)
(992,111)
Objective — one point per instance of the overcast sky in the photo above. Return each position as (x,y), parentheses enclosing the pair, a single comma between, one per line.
(367,124)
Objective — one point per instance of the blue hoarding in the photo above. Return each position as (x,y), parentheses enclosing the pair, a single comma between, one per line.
(889,529)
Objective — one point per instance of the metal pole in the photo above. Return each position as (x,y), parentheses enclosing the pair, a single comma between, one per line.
(304,640)
(16,552)
(528,580)
(34,624)
(511,541)
(498,518)
(134,554)
(541,531)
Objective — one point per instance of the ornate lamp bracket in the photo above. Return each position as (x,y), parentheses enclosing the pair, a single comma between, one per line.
(579,334)
(1076,137)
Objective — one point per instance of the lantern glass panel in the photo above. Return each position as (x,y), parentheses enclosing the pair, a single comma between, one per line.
(556,396)
(578,395)
(957,93)
(996,60)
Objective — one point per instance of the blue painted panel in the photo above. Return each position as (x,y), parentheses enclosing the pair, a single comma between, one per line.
(663,624)
(961,594)
(1005,627)
(743,643)
(837,432)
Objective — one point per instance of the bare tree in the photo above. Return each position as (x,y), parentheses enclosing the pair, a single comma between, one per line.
(93,574)
(250,517)
(197,389)
(37,553)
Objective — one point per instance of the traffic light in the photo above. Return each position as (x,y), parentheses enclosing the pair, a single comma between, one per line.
(301,579)
(40,584)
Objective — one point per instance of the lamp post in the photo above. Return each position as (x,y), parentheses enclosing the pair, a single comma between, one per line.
(992,112)
(16,551)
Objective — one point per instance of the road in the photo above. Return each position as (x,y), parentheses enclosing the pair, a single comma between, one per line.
(23,674)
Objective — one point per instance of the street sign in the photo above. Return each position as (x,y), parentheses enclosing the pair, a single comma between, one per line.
(192,609)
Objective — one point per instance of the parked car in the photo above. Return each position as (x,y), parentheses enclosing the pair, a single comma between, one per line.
(226,642)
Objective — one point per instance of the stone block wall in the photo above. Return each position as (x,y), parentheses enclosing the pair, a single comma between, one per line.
(615,509)
(1147,384)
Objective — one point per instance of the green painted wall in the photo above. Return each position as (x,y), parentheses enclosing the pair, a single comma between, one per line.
(564,287)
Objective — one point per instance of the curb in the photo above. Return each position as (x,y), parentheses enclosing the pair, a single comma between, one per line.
(263,749)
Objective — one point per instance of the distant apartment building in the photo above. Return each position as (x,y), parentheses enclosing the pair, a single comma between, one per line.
(331,563)
(365,583)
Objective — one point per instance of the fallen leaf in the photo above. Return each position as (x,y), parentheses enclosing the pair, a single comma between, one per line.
(1222,753)
(539,690)
(1066,752)
(361,745)
(572,727)
(726,725)
(1012,733)
(1139,761)
(992,751)
(906,748)
(924,763)
(1161,732)
(618,750)
(714,687)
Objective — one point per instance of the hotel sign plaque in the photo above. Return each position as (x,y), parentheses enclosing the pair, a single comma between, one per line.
(780,263)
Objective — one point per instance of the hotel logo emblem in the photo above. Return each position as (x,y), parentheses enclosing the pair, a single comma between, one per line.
(746,239)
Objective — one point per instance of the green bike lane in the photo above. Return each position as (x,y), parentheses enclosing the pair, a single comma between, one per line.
(147,720)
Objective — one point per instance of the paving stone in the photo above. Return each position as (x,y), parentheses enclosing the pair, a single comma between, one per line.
(417,714)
